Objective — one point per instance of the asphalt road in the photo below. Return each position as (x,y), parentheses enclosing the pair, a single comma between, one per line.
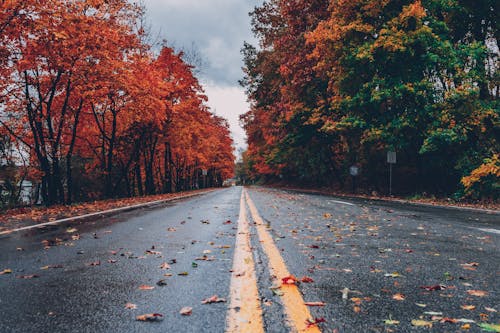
(368,262)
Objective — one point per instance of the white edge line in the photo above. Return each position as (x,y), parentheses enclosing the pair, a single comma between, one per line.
(343,202)
(490,230)
(104,212)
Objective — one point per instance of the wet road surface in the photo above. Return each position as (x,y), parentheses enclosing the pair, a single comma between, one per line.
(376,267)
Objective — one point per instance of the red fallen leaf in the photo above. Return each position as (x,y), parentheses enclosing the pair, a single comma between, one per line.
(448,320)
(213,299)
(32,276)
(433,288)
(313,246)
(289,280)
(307,279)
(112,261)
(315,321)
(149,317)
(315,303)
(228,222)
(186,311)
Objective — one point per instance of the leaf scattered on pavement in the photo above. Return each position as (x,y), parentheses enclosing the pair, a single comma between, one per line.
(477,293)
(186,311)
(421,323)
(6,271)
(27,277)
(149,317)
(146,287)
(490,327)
(213,299)
(315,303)
(130,306)
(289,280)
(315,321)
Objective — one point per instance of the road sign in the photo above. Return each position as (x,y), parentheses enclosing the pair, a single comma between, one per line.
(391,157)
(354,171)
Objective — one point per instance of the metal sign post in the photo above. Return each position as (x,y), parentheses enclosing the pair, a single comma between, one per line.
(391,159)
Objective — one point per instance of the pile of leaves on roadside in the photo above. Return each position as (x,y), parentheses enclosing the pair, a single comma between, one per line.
(19,217)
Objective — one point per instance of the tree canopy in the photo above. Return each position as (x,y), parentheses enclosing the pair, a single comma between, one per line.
(339,83)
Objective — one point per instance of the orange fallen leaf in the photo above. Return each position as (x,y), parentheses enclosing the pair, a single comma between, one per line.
(315,303)
(468,307)
(6,271)
(149,317)
(213,299)
(146,287)
(399,297)
(478,293)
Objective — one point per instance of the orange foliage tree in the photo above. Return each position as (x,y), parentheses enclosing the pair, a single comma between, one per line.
(95,109)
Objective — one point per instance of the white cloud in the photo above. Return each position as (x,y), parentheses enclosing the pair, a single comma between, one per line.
(230,103)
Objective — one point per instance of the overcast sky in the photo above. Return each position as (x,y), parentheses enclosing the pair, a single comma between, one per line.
(217,29)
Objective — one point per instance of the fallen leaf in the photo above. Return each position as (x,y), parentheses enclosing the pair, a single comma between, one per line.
(130,306)
(149,317)
(51,266)
(213,299)
(465,327)
(32,276)
(391,322)
(393,275)
(6,271)
(315,303)
(490,327)
(421,323)
(448,320)
(146,287)
(433,288)
(289,280)
(95,263)
(307,279)
(71,230)
(165,266)
(421,305)
(161,283)
(112,261)
(399,297)
(186,311)
(315,321)
(468,307)
(490,309)
(183,274)
(478,293)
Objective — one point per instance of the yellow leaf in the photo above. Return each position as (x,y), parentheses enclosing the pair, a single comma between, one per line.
(421,323)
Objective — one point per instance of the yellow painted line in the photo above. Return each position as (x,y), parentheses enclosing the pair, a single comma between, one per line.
(244,313)
(296,311)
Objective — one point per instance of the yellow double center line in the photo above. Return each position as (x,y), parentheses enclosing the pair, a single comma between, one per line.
(245,313)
